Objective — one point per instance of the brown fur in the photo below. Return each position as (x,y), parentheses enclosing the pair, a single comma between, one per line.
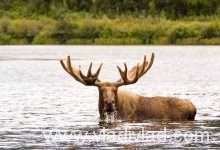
(134,107)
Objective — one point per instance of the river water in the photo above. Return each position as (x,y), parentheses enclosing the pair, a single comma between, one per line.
(42,107)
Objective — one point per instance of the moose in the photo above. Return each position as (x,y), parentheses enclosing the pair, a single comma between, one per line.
(130,106)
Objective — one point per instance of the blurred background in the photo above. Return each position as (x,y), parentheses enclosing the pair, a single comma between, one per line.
(183,22)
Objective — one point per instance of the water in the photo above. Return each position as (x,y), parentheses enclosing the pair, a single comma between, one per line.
(41,107)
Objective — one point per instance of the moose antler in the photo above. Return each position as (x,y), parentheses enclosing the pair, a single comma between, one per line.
(89,79)
(132,76)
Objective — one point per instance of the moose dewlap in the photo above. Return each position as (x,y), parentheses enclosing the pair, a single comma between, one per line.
(130,106)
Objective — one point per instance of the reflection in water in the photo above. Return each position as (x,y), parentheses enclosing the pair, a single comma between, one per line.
(43,108)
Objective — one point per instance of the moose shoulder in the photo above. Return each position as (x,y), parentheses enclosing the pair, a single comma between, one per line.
(127,105)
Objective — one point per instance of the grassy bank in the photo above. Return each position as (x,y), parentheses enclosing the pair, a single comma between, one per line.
(85,29)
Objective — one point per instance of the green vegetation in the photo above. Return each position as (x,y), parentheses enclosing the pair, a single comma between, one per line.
(110,22)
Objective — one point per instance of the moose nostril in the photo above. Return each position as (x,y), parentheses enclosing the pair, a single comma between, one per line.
(109,107)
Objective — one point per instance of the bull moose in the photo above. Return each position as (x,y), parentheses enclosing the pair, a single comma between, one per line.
(130,106)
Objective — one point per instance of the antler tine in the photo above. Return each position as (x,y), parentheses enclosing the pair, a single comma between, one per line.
(82,75)
(126,72)
(99,69)
(151,62)
(73,71)
(144,64)
(70,70)
(121,73)
(137,74)
(69,65)
(89,73)
(126,68)
(63,65)
(124,75)
(132,76)
(88,79)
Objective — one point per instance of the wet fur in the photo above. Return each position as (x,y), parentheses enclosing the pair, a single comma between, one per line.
(131,106)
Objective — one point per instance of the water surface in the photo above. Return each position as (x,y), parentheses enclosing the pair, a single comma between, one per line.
(41,107)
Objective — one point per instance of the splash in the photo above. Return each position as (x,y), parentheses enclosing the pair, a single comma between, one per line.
(112,117)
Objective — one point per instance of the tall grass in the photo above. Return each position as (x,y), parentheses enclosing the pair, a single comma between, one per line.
(85,29)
